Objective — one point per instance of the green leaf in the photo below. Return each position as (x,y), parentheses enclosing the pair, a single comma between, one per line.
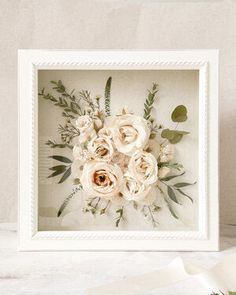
(171,209)
(167,133)
(174,136)
(59,168)
(183,184)
(171,165)
(65,175)
(179,114)
(184,194)
(55,173)
(120,213)
(172,195)
(108,96)
(61,159)
(148,104)
(171,177)
(232,293)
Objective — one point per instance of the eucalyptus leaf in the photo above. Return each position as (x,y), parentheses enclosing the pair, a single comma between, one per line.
(65,175)
(184,194)
(171,177)
(172,195)
(171,165)
(167,133)
(174,136)
(55,173)
(61,159)
(171,209)
(59,168)
(179,114)
(183,184)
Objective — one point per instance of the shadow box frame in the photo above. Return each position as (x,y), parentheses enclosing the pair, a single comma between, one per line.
(205,238)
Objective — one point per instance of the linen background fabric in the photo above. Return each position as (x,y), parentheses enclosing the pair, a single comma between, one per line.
(113,24)
(128,89)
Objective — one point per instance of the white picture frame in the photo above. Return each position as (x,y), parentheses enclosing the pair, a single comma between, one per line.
(203,239)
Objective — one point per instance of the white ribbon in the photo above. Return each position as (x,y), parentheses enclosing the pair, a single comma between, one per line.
(221,277)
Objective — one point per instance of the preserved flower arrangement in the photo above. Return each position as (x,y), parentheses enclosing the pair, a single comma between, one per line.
(117,158)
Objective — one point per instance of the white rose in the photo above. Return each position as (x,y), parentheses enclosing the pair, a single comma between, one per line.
(100,179)
(85,125)
(163,171)
(101,148)
(129,132)
(143,167)
(167,153)
(134,190)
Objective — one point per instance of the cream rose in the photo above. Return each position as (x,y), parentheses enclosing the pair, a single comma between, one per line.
(85,126)
(101,179)
(143,167)
(129,132)
(101,148)
(167,153)
(134,190)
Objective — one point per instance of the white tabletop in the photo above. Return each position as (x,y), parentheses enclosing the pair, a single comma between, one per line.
(70,273)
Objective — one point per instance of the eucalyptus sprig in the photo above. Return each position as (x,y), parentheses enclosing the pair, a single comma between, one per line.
(177,187)
(178,115)
(169,206)
(175,166)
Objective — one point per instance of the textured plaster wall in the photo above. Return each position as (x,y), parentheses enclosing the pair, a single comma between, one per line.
(111,24)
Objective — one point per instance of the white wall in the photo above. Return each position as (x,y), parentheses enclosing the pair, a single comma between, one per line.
(131,24)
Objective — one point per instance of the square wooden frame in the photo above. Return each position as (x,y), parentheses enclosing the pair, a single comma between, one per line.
(205,238)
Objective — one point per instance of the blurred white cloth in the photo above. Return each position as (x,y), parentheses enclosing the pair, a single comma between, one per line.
(222,277)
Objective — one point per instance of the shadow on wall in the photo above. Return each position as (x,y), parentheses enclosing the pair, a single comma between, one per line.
(227,165)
